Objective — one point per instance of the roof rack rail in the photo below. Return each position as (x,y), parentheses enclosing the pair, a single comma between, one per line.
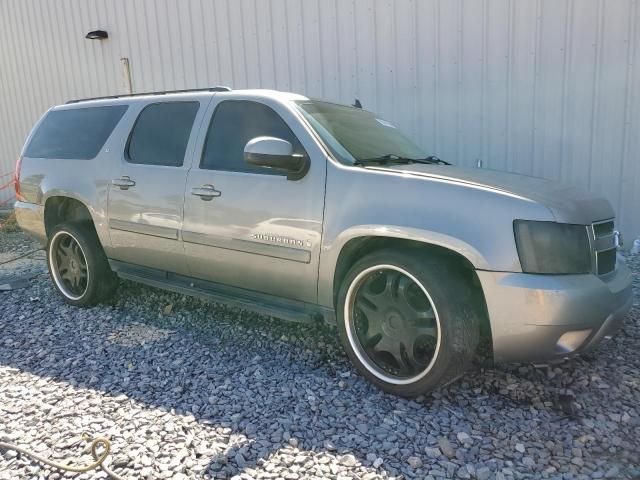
(166,92)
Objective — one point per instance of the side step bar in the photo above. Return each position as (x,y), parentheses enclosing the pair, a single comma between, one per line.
(261,303)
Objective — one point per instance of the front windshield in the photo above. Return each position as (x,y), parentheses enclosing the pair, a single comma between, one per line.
(355,135)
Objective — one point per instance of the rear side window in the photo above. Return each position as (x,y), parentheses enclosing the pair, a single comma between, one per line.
(234,123)
(161,133)
(76,134)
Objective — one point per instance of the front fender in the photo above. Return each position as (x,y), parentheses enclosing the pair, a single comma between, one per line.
(331,251)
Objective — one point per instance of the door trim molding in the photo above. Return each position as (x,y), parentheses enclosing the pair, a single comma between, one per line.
(248,246)
(144,229)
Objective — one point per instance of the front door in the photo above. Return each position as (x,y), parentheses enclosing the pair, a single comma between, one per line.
(146,195)
(249,226)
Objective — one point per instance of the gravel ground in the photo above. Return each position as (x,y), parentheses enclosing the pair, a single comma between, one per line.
(189,389)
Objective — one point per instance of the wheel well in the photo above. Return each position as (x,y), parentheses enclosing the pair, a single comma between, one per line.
(359,247)
(64,209)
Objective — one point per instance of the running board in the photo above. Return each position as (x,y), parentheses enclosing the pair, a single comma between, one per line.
(270,305)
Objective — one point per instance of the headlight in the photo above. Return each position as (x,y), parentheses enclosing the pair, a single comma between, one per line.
(549,247)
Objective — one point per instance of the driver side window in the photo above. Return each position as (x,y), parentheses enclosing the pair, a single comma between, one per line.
(233,124)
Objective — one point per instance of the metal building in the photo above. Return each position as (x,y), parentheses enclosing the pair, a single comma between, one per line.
(542,87)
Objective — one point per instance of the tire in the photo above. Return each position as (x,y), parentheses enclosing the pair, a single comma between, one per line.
(81,275)
(407,321)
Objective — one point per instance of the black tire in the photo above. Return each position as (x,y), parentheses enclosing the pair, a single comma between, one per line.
(91,279)
(452,335)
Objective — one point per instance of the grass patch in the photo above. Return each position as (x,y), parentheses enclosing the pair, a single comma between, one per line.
(8,223)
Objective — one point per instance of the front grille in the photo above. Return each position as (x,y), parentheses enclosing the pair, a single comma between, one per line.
(605,243)
(606,261)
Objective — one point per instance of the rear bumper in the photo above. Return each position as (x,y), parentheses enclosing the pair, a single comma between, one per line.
(537,318)
(30,217)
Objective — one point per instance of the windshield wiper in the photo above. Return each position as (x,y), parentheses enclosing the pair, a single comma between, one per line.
(383,159)
(392,158)
(431,159)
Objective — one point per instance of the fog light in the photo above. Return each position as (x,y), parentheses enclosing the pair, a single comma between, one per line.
(570,341)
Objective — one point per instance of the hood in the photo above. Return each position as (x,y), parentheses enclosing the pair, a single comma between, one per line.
(568,204)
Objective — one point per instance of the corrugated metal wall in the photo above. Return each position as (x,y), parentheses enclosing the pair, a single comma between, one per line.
(542,87)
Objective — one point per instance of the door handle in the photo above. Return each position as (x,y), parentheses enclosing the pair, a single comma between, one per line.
(123,182)
(205,192)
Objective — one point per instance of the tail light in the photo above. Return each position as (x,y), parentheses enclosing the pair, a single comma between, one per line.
(16,180)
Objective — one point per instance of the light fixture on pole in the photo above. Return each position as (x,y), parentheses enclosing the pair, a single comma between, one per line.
(97,35)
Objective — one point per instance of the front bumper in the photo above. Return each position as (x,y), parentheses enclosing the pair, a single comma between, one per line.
(30,217)
(537,318)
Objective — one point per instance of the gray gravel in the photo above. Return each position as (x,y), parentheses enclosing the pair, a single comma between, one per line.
(189,389)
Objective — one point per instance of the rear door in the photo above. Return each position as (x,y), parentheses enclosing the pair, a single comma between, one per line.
(257,230)
(145,206)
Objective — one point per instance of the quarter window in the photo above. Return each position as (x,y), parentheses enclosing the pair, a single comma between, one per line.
(161,133)
(76,134)
(236,122)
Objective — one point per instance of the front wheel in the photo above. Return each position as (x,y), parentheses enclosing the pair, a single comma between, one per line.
(78,266)
(407,321)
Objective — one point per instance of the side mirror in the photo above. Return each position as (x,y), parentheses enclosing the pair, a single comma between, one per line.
(271,152)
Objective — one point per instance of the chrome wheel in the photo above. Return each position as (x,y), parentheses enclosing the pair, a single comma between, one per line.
(68,265)
(392,324)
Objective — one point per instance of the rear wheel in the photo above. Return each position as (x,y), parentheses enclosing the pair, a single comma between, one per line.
(407,321)
(78,266)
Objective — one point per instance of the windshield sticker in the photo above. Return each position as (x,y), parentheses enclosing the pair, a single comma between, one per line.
(385,123)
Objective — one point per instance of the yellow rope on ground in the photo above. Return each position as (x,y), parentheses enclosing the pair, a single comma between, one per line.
(98,458)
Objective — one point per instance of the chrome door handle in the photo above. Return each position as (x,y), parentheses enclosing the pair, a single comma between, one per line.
(206,192)
(123,182)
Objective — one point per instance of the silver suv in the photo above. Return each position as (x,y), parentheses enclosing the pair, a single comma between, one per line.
(304,209)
